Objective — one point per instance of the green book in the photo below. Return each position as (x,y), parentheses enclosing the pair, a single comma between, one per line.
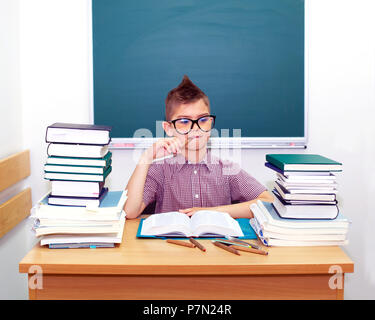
(76,169)
(71,176)
(303,162)
(70,161)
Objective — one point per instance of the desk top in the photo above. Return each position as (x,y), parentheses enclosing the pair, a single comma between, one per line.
(157,257)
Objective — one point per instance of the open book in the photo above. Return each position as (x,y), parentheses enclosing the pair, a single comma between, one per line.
(203,223)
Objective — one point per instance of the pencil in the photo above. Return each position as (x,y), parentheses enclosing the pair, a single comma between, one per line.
(181,243)
(248,249)
(228,248)
(193,241)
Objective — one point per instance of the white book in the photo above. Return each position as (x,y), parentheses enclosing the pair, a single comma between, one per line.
(304,231)
(81,229)
(266,216)
(283,241)
(311,190)
(78,133)
(299,243)
(313,211)
(203,223)
(76,188)
(304,196)
(308,179)
(310,175)
(304,237)
(73,169)
(64,226)
(76,150)
(88,238)
(308,186)
(110,209)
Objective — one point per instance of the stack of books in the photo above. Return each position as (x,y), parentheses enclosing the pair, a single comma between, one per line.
(81,227)
(305,205)
(274,230)
(77,166)
(78,163)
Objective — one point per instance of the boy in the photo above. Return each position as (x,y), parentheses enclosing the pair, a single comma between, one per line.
(193,179)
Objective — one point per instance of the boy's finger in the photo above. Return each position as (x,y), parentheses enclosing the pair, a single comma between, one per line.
(185,210)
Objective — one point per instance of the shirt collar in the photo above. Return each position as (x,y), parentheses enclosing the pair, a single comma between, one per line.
(180,161)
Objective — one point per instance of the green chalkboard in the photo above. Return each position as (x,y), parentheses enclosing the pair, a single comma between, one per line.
(247,56)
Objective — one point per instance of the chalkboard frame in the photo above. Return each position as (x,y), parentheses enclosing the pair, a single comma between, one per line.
(215,142)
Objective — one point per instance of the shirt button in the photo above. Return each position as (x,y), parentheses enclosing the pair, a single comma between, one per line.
(195,171)
(196,196)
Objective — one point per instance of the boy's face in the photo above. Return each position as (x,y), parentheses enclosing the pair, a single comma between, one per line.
(196,139)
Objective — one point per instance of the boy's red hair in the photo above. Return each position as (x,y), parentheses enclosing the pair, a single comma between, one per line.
(186,92)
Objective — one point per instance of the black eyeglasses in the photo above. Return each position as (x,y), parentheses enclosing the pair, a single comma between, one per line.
(184,125)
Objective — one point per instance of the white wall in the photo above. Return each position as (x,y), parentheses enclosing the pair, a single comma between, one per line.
(54,67)
(13,245)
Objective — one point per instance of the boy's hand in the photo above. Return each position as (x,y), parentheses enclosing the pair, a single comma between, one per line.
(162,148)
(190,211)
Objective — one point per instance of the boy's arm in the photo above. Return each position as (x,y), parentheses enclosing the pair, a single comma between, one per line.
(238,210)
(134,204)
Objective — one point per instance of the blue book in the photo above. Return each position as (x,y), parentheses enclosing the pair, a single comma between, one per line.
(111,199)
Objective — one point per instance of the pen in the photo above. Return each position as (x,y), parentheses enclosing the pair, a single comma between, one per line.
(181,243)
(193,241)
(164,158)
(227,248)
(248,249)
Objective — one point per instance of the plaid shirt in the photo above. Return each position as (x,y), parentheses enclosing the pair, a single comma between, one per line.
(176,184)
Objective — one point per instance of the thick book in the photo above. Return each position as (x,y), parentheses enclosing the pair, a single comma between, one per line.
(288,195)
(303,189)
(274,230)
(76,150)
(77,176)
(78,133)
(74,161)
(203,223)
(78,239)
(301,202)
(266,215)
(306,183)
(303,162)
(76,188)
(109,209)
(79,227)
(75,169)
(294,178)
(267,240)
(77,201)
(311,211)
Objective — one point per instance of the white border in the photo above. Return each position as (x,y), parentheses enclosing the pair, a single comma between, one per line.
(252,143)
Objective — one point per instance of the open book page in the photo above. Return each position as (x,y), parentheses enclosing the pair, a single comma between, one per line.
(207,223)
(167,224)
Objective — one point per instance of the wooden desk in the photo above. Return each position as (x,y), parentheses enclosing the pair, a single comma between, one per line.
(154,269)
